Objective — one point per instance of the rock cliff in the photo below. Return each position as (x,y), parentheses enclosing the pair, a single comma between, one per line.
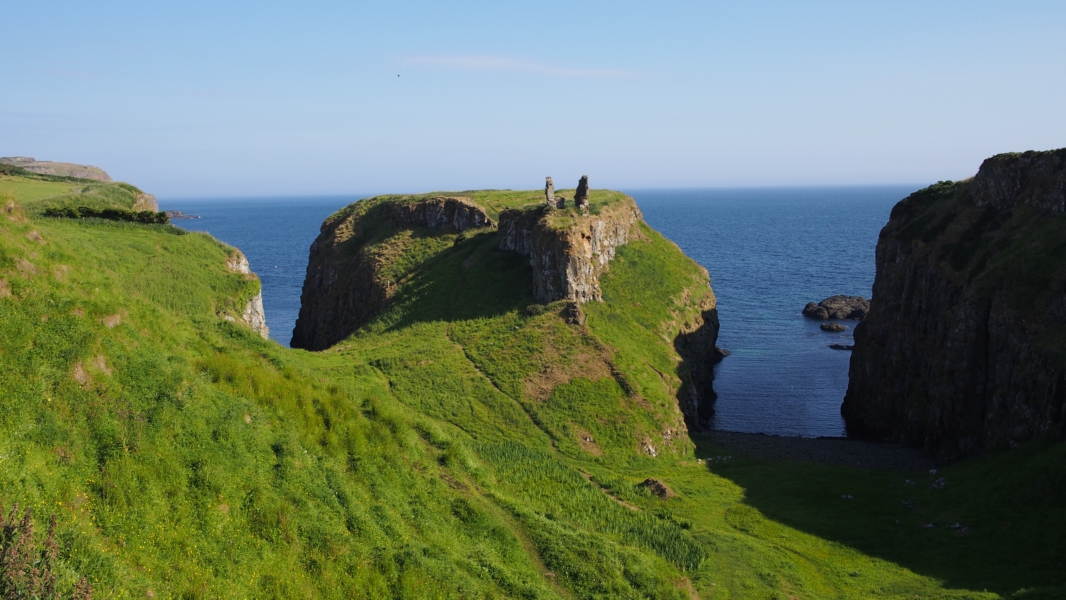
(568,252)
(44,167)
(963,348)
(348,280)
(253,314)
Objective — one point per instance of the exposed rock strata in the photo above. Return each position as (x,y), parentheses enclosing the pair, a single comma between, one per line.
(344,288)
(568,260)
(962,349)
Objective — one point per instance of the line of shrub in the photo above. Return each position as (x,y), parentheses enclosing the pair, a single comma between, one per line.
(110,214)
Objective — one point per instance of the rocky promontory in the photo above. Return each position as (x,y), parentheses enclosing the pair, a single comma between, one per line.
(368,253)
(963,346)
(349,279)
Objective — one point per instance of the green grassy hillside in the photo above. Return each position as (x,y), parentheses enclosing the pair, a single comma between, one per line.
(467,443)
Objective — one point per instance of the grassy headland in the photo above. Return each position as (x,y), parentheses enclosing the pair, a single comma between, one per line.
(465,443)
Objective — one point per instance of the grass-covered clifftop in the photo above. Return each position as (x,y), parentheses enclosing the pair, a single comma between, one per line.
(466,443)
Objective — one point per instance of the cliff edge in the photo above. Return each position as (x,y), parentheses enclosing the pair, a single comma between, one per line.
(358,260)
(963,348)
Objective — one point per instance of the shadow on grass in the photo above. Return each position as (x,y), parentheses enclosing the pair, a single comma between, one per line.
(995,523)
(471,280)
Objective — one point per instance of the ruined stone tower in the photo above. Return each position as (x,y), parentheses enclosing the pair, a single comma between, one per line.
(549,192)
(581,196)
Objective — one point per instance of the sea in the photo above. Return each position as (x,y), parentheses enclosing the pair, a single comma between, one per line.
(769,252)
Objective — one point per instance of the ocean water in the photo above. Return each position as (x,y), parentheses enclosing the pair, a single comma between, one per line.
(768,251)
(275,234)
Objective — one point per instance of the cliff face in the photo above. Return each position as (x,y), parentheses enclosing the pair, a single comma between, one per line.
(57,168)
(568,253)
(697,344)
(963,346)
(253,314)
(347,281)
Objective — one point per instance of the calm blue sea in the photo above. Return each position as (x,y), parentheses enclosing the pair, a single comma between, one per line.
(769,252)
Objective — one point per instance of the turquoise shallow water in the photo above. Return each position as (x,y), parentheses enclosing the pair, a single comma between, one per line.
(768,251)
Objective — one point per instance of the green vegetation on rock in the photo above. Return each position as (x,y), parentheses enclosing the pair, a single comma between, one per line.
(467,442)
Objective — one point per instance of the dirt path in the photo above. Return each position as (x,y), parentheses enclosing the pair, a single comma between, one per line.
(829,451)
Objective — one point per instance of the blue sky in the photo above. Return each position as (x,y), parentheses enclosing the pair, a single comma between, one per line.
(209,99)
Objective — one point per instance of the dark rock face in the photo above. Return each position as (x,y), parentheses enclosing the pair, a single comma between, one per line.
(697,346)
(838,307)
(962,348)
(833,327)
(437,213)
(343,289)
(573,314)
(581,196)
(1029,178)
(658,488)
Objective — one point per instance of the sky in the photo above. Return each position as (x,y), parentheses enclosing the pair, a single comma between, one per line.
(212,99)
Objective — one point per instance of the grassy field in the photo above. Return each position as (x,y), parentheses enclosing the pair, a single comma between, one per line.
(467,443)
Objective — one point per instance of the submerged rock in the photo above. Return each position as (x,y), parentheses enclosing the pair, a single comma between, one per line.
(833,327)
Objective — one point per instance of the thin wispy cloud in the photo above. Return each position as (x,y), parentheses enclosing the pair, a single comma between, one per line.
(75,74)
(510,64)
(217,93)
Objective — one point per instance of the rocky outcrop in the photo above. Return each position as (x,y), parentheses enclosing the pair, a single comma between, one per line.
(457,214)
(833,327)
(253,314)
(255,317)
(58,168)
(962,348)
(146,202)
(568,254)
(1029,179)
(838,307)
(345,285)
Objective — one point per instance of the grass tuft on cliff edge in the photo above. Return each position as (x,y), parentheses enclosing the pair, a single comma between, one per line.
(441,451)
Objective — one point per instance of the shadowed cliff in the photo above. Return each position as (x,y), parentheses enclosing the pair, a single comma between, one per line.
(963,347)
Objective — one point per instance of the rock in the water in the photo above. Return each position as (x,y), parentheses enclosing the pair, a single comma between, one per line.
(581,196)
(658,488)
(838,307)
(842,346)
(833,327)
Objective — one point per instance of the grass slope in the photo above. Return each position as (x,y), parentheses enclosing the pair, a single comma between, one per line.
(441,451)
